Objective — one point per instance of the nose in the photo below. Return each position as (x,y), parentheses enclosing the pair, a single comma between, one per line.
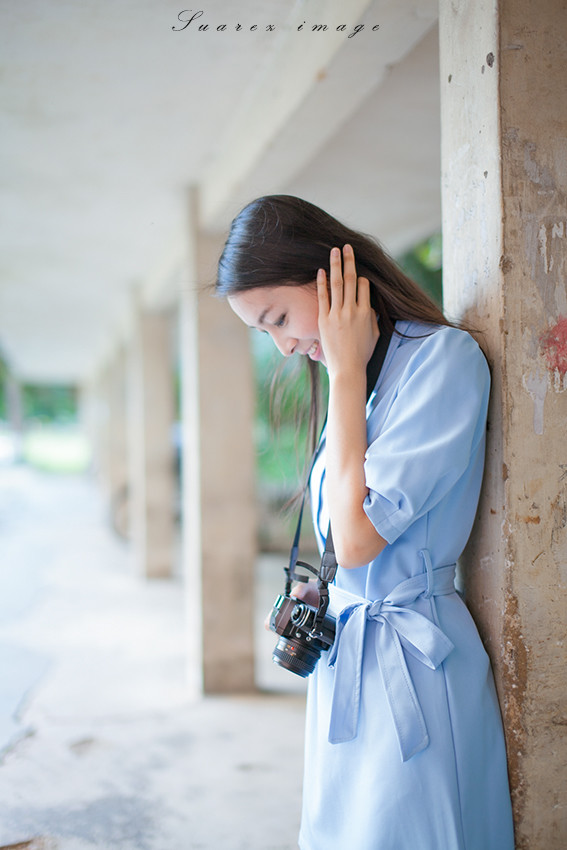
(285,345)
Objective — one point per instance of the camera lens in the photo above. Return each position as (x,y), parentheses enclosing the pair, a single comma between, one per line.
(295,657)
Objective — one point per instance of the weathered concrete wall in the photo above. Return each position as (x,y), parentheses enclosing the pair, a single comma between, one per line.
(504,163)
(218,472)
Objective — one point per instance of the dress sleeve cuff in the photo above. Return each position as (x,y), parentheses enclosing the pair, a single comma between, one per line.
(382,514)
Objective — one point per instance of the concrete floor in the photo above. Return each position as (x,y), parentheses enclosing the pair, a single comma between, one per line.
(100,744)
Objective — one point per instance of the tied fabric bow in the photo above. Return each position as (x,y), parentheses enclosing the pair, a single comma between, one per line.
(397,628)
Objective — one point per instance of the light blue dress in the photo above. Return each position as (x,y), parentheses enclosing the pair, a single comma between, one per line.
(404,742)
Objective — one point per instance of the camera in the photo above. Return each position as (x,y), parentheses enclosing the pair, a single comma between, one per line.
(301,642)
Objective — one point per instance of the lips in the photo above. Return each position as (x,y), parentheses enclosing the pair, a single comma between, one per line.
(315,351)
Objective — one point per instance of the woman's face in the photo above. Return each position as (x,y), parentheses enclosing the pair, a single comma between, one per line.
(288,313)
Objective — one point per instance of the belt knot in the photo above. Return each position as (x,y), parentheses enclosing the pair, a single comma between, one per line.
(399,629)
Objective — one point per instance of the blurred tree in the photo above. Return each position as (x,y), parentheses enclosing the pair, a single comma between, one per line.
(423,263)
(47,403)
(41,402)
(281,430)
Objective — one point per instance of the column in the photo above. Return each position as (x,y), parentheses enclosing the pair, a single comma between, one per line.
(15,412)
(98,417)
(118,484)
(219,531)
(150,447)
(103,417)
(504,131)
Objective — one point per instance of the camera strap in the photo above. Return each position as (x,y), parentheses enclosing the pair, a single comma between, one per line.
(328,568)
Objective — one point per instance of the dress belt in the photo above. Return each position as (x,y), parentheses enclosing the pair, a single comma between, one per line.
(398,628)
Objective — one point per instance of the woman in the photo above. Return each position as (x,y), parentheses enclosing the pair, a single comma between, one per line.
(404,745)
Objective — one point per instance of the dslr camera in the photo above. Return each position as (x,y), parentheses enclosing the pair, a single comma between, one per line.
(302,639)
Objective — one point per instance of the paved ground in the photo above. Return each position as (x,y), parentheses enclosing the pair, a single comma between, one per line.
(101,747)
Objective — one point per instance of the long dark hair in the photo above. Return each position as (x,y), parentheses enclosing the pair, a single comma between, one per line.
(281,240)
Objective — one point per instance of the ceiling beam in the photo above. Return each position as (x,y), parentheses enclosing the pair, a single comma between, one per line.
(309,88)
(296,63)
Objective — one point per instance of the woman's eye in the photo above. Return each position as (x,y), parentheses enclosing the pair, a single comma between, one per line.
(281,321)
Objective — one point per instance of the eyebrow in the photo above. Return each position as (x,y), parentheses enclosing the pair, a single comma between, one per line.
(263,315)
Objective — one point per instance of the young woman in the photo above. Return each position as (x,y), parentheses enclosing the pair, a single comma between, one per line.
(404,744)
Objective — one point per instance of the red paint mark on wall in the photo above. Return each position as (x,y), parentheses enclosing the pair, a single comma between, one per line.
(554,346)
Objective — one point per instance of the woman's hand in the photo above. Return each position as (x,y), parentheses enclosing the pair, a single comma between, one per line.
(349,332)
(304,591)
(347,322)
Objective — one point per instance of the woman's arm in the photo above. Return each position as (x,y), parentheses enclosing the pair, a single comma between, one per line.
(349,332)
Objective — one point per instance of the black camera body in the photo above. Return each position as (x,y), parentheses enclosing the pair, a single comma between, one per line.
(302,641)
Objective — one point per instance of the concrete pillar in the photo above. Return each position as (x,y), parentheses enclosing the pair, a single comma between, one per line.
(218,475)
(98,414)
(504,131)
(117,462)
(15,413)
(102,415)
(151,462)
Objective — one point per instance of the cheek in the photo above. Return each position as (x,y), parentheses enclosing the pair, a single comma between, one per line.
(306,313)
(310,328)
(314,321)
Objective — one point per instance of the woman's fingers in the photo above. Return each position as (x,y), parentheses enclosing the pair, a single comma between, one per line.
(336,278)
(349,276)
(363,292)
(322,293)
(344,286)
(347,321)
(306,592)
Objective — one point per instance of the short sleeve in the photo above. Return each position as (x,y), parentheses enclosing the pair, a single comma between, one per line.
(433,426)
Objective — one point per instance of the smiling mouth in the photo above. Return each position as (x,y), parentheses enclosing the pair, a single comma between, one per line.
(311,351)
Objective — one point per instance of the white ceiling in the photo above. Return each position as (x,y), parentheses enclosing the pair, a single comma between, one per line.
(109,116)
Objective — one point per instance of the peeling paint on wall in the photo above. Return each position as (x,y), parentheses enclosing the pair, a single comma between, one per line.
(554,349)
(537,173)
(548,232)
(542,243)
(547,254)
(536,384)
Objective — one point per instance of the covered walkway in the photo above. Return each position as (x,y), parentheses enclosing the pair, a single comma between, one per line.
(102,745)
(130,141)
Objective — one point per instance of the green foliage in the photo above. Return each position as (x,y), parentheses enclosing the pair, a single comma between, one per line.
(40,402)
(45,403)
(423,263)
(280,440)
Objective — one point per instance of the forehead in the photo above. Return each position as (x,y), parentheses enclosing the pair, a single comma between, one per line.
(250,304)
